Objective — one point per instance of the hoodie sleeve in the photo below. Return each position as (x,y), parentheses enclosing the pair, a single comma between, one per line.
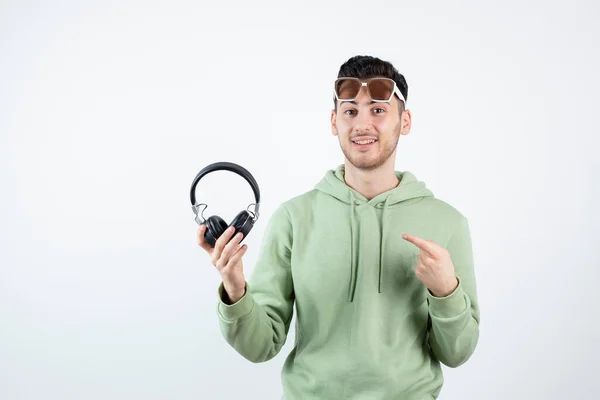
(256,326)
(454,330)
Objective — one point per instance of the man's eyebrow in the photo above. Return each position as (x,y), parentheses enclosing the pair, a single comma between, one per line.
(354,102)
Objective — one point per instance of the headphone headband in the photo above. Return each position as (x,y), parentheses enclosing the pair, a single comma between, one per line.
(227,166)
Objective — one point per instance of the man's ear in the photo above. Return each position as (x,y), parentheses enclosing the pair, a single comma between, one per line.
(405,122)
(333,124)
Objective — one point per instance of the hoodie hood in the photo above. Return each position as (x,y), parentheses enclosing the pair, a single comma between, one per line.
(408,190)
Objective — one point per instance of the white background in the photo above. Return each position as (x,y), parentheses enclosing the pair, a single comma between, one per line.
(109,109)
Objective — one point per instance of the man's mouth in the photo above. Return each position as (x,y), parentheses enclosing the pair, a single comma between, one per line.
(364,141)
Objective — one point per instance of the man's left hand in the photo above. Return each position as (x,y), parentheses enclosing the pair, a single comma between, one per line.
(434,267)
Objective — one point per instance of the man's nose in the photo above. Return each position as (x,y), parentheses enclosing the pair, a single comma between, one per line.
(363,122)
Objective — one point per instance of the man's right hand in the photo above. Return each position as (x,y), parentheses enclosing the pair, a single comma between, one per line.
(226,256)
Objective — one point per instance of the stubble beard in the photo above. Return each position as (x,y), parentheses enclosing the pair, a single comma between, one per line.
(369,162)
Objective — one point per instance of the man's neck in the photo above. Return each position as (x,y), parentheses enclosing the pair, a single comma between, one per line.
(371,183)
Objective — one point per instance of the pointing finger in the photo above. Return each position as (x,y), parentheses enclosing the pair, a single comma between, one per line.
(427,246)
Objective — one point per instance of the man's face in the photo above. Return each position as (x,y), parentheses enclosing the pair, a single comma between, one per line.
(368,132)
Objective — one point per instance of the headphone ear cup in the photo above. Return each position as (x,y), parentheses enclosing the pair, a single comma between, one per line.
(215,226)
(243,223)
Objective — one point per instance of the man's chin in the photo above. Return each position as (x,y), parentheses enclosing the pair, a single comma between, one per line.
(364,160)
(364,163)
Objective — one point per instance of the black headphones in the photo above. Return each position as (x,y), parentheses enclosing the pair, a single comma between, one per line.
(215,225)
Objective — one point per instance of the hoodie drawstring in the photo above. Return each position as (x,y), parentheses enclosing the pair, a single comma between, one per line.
(354,246)
(381,244)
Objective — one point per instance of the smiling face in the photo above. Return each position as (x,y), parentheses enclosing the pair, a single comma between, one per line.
(368,131)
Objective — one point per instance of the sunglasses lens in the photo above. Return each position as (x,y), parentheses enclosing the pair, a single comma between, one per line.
(347,88)
(381,89)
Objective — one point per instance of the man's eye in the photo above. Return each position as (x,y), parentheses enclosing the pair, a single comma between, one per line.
(378,110)
(350,112)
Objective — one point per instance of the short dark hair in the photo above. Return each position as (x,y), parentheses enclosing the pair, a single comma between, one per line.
(365,67)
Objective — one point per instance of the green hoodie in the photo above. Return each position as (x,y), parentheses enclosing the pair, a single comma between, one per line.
(366,327)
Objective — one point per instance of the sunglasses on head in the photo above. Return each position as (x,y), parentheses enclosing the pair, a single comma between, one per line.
(379,89)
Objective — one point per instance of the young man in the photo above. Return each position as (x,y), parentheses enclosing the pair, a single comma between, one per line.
(380,270)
